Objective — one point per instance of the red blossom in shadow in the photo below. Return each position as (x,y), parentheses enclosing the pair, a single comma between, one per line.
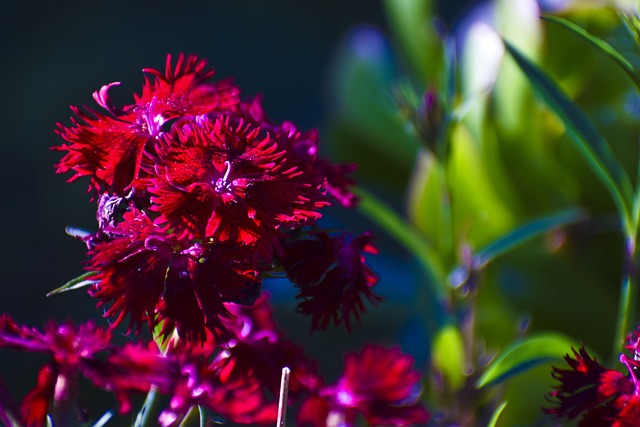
(599,395)
(152,276)
(378,383)
(333,277)
(109,147)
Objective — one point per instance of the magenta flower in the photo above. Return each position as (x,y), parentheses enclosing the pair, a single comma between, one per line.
(333,277)
(190,375)
(109,147)
(154,277)
(255,348)
(74,351)
(599,395)
(378,383)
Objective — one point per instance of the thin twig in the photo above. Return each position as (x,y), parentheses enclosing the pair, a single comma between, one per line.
(284,391)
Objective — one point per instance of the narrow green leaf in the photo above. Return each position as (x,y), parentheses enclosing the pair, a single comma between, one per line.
(496,414)
(593,147)
(524,354)
(400,229)
(77,283)
(602,46)
(514,239)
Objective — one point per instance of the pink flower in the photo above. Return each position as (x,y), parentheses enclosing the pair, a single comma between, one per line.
(378,383)
(74,351)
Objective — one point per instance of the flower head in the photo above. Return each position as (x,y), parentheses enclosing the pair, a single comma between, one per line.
(378,383)
(109,147)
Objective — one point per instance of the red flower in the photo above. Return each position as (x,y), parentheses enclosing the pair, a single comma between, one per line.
(302,148)
(109,148)
(224,178)
(379,383)
(153,276)
(601,396)
(332,276)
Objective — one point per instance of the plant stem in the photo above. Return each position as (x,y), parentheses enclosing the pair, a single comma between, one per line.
(628,297)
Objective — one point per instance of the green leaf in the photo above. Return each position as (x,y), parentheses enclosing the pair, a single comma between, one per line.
(77,283)
(428,205)
(496,414)
(602,46)
(448,355)
(514,239)
(411,23)
(524,354)
(591,145)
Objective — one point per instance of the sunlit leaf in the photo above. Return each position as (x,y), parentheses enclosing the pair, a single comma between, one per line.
(591,145)
(448,356)
(496,414)
(428,202)
(524,354)
(600,44)
(412,24)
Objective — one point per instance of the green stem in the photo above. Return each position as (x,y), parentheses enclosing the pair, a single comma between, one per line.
(628,297)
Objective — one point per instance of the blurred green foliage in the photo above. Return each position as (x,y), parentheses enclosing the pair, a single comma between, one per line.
(472,152)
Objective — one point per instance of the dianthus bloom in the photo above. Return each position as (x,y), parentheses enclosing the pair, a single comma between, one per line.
(200,196)
(601,396)
(378,383)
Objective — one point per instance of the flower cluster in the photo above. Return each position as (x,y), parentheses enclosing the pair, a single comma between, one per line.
(235,374)
(601,396)
(199,197)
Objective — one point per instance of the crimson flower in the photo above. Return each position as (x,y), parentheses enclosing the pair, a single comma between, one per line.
(109,147)
(152,276)
(332,275)
(599,395)
(378,383)
(224,178)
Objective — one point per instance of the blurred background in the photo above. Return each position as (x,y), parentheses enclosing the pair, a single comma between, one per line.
(325,64)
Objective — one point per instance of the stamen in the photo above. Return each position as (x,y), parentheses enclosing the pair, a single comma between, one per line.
(221,183)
